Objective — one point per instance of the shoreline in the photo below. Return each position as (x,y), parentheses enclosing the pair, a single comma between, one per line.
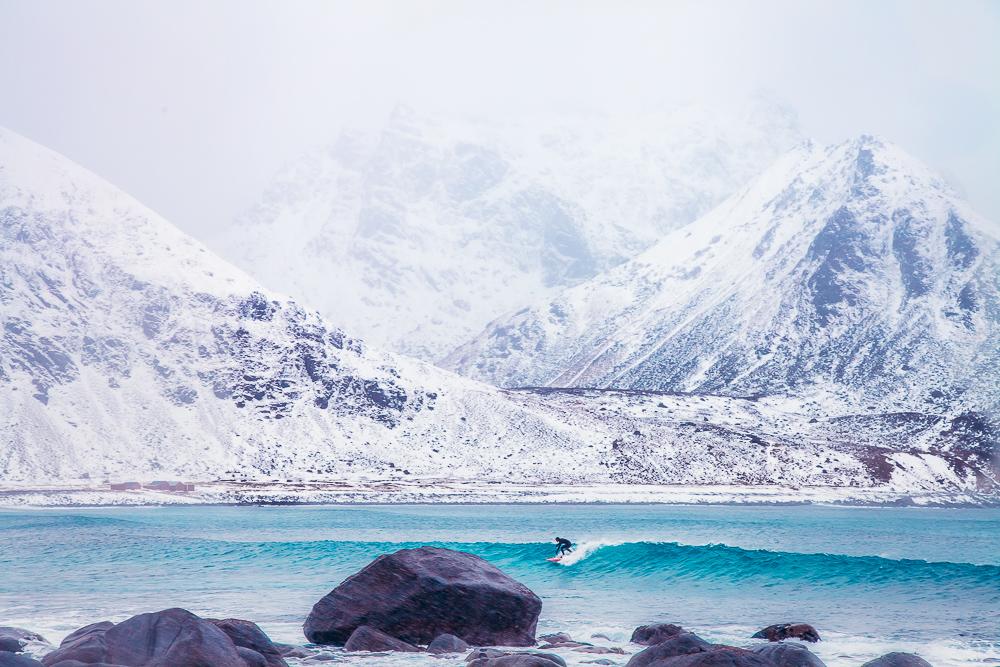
(464,492)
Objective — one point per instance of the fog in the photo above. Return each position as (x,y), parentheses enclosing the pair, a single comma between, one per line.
(191,106)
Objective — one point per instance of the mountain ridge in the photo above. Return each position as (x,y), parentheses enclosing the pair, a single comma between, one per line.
(812,259)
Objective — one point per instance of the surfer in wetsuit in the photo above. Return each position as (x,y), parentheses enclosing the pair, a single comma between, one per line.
(563,547)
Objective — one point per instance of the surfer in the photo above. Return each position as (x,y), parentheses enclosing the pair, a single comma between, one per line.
(563,547)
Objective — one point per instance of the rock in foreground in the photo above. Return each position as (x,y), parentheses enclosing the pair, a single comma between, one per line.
(447,644)
(173,637)
(898,660)
(9,659)
(781,631)
(788,655)
(13,640)
(650,635)
(417,594)
(683,644)
(369,639)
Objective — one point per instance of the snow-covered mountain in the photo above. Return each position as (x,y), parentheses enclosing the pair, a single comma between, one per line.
(128,351)
(417,235)
(849,272)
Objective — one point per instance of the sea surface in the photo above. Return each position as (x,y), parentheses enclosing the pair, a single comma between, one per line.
(871,580)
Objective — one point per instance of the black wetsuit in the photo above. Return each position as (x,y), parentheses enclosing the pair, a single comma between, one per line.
(563,546)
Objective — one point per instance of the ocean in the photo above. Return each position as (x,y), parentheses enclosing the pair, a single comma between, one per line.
(871,580)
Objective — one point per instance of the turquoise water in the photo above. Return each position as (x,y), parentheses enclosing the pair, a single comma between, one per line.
(870,579)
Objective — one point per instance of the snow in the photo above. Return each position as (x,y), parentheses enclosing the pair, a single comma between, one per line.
(850,271)
(130,353)
(440,225)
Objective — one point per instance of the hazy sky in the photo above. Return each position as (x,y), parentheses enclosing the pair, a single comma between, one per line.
(191,105)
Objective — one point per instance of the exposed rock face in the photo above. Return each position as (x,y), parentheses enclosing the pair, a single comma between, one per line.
(681,644)
(13,640)
(898,660)
(776,633)
(417,594)
(788,655)
(248,635)
(173,637)
(648,635)
(447,644)
(366,638)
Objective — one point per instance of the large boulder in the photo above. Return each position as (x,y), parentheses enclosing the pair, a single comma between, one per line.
(776,633)
(718,656)
(788,655)
(366,638)
(447,644)
(898,660)
(682,644)
(13,640)
(169,638)
(650,635)
(10,659)
(417,594)
(248,635)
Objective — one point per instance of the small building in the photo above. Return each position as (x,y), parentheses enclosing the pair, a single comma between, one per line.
(125,486)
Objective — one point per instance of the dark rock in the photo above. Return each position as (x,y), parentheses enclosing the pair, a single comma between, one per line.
(13,640)
(418,594)
(480,653)
(898,660)
(447,644)
(516,660)
(85,645)
(717,656)
(367,638)
(248,634)
(682,644)
(555,638)
(174,637)
(650,635)
(788,655)
(569,644)
(251,657)
(10,659)
(776,633)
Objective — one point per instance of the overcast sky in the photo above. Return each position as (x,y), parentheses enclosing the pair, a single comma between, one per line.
(191,105)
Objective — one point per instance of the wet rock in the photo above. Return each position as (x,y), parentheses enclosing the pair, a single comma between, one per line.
(13,640)
(292,651)
(682,644)
(555,638)
(367,638)
(718,656)
(650,635)
(776,633)
(569,644)
(251,657)
(480,653)
(898,660)
(516,660)
(447,644)
(11,659)
(417,594)
(174,637)
(248,634)
(788,655)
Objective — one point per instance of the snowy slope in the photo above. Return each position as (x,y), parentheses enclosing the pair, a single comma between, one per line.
(128,351)
(415,236)
(850,272)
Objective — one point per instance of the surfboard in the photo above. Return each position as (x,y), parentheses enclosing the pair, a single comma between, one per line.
(554,559)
